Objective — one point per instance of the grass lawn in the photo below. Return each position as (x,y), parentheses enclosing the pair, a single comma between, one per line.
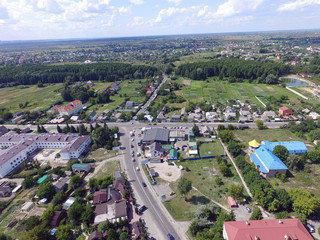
(303,179)
(268,134)
(211,149)
(102,154)
(182,210)
(37,98)
(107,169)
(202,174)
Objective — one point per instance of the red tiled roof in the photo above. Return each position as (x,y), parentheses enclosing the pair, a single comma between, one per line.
(284,108)
(266,229)
(76,102)
(232,202)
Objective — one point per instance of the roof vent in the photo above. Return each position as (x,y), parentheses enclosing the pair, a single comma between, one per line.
(247,223)
(256,237)
(280,221)
(287,237)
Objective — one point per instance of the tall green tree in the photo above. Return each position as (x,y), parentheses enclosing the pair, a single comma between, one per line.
(256,214)
(236,191)
(184,186)
(64,232)
(281,152)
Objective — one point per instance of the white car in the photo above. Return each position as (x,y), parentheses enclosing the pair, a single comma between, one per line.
(132,139)
(137,168)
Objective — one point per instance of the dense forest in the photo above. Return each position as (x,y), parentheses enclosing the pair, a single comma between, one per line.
(234,68)
(109,72)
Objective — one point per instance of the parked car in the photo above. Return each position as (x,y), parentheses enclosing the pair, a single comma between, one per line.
(310,228)
(137,168)
(142,209)
(133,160)
(172,193)
(170,236)
(248,209)
(144,184)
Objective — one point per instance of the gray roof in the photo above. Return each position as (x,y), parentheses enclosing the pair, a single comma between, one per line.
(156,134)
(156,146)
(121,209)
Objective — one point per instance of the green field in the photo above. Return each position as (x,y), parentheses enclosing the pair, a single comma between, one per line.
(269,134)
(219,91)
(38,98)
(101,154)
(211,149)
(107,169)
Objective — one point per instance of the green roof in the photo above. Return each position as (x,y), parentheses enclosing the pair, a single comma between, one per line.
(173,153)
(166,147)
(191,134)
(44,177)
(80,165)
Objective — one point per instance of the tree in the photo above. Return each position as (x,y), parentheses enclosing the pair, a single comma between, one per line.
(284,199)
(87,215)
(234,148)
(236,191)
(31,222)
(275,205)
(64,232)
(75,181)
(75,212)
(281,152)
(226,135)
(4,237)
(303,201)
(39,232)
(28,182)
(314,156)
(112,234)
(260,125)
(59,130)
(256,214)
(195,130)
(46,190)
(271,79)
(184,186)
(124,236)
(224,169)
(58,197)
(181,159)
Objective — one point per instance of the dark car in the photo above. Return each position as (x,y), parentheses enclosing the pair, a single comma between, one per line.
(248,209)
(142,209)
(170,236)
(144,184)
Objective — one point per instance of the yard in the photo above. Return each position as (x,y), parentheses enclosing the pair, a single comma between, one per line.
(37,98)
(102,154)
(203,175)
(107,169)
(211,149)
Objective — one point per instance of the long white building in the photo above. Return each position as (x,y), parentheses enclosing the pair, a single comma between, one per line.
(17,147)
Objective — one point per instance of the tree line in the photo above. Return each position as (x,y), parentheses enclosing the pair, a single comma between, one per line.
(108,72)
(235,69)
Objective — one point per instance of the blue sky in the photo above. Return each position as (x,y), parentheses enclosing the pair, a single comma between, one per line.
(58,19)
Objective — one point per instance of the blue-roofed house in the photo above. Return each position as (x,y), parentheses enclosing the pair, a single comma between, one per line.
(294,147)
(268,163)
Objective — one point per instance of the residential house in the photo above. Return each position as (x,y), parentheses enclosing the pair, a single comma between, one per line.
(57,217)
(284,111)
(112,211)
(244,112)
(55,109)
(3,130)
(137,231)
(100,197)
(155,150)
(161,117)
(90,83)
(175,118)
(148,91)
(61,184)
(205,131)
(130,104)
(115,86)
(96,235)
(269,114)
(229,115)
(93,116)
(160,135)
(120,185)
(72,108)
(211,116)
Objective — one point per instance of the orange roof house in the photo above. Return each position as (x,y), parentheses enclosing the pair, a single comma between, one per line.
(284,111)
(232,202)
(266,229)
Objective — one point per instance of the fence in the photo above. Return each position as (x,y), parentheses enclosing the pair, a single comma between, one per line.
(198,158)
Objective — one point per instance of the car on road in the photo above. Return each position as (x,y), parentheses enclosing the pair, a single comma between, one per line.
(133,160)
(139,135)
(142,209)
(131,146)
(137,168)
(172,193)
(310,228)
(248,209)
(132,139)
(144,184)
(170,236)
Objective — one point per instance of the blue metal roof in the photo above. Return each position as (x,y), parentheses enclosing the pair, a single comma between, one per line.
(292,146)
(271,161)
(257,162)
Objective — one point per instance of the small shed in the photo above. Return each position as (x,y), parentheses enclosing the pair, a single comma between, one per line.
(27,206)
(68,203)
(232,202)
(44,177)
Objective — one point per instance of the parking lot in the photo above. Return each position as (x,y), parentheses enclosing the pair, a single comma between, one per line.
(169,173)
(163,189)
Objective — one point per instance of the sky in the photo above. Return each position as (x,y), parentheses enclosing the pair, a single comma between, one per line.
(63,19)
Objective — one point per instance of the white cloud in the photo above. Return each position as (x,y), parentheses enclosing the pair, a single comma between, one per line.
(136,2)
(50,6)
(291,6)
(3,12)
(232,7)
(124,10)
(137,21)
(203,11)
(175,2)
(172,11)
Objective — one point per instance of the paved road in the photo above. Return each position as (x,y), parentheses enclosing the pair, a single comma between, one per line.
(153,96)
(154,215)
